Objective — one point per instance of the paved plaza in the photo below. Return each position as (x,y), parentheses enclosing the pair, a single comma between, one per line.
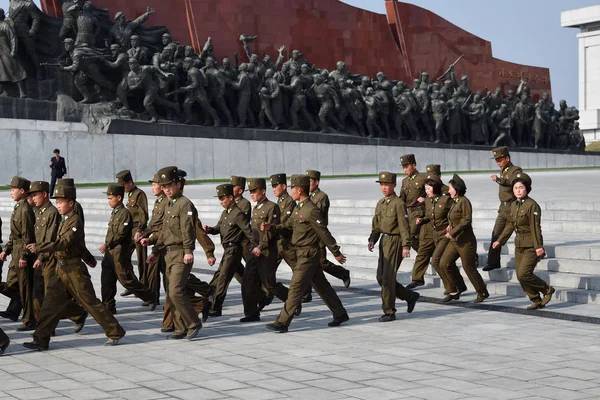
(437,352)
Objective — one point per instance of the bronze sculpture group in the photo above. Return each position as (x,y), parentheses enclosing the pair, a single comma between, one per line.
(147,75)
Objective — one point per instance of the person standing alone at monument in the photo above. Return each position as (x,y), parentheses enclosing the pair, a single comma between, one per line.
(58,167)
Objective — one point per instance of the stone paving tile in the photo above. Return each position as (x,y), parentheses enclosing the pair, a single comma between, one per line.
(251,393)
(195,394)
(31,393)
(370,393)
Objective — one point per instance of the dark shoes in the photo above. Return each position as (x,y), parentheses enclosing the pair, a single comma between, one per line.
(35,346)
(387,318)
(265,302)
(206,310)
(250,318)
(167,330)
(176,336)
(191,335)
(451,297)
(277,328)
(154,303)
(414,284)
(79,326)
(126,293)
(412,302)
(213,313)
(7,315)
(112,342)
(491,267)
(346,280)
(307,298)
(337,321)
(3,348)
(548,296)
(481,297)
(26,327)
(298,310)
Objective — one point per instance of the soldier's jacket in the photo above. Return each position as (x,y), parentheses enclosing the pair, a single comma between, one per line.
(245,206)
(233,227)
(202,237)
(307,228)
(412,188)
(505,180)
(119,228)
(265,211)
(69,244)
(321,200)
(436,212)
(137,204)
(158,212)
(286,207)
(22,230)
(179,225)
(47,220)
(525,219)
(390,219)
(460,218)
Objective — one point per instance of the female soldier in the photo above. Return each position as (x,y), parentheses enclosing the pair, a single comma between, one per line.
(525,216)
(462,243)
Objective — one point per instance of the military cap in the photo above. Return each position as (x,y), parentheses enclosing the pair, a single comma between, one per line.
(115,190)
(39,186)
(118,15)
(386,177)
(278,179)
(500,152)
(435,178)
(434,169)
(300,180)
(225,189)
(524,176)
(124,177)
(257,183)
(238,181)
(154,179)
(316,175)
(18,182)
(408,159)
(66,182)
(181,173)
(457,179)
(167,175)
(65,192)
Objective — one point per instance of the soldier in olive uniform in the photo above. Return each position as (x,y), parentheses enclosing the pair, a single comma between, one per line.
(233,227)
(308,231)
(116,264)
(412,194)
(462,243)
(287,206)
(239,186)
(525,219)
(508,173)
(72,277)
(47,220)
(261,270)
(177,238)
(137,204)
(4,342)
(321,200)
(390,222)
(19,281)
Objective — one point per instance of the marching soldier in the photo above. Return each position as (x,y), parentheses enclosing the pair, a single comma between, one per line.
(71,278)
(261,270)
(412,193)
(137,204)
(116,264)
(308,231)
(508,173)
(287,205)
(390,222)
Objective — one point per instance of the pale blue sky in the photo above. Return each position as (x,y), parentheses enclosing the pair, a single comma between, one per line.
(522,31)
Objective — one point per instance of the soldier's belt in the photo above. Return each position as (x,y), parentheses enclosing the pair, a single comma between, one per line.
(173,248)
(227,245)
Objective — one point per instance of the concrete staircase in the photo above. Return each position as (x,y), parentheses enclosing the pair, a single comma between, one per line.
(570,232)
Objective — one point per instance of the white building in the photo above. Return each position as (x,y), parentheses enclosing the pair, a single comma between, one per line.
(588,21)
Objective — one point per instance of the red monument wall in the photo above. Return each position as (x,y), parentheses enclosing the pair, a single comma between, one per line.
(403,43)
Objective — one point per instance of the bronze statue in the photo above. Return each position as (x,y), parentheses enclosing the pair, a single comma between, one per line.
(406,109)
(298,101)
(439,112)
(425,112)
(70,10)
(118,61)
(276,101)
(455,119)
(265,109)
(123,30)
(577,139)
(502,121)
(244,89)
(353,103)
(139,52)
(88,26)
(373,111)
(543,115)
(329,102)
(479,132)
(523,117)
(11,69)
(22,12)
(195,93)
(216,89)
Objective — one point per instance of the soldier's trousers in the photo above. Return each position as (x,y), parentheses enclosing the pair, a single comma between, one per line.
(390,258)
(177,274)
(415,230)
(73,279)
(4,340)
(152,274)
(116,266)
(230,262)
(308,272)
(141,253)
(332,269)
(73,311)
(501,221)
(287,254)
(532,285)
(10,289)
(19,287)
(468,256)
(194,285)
(261,273)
